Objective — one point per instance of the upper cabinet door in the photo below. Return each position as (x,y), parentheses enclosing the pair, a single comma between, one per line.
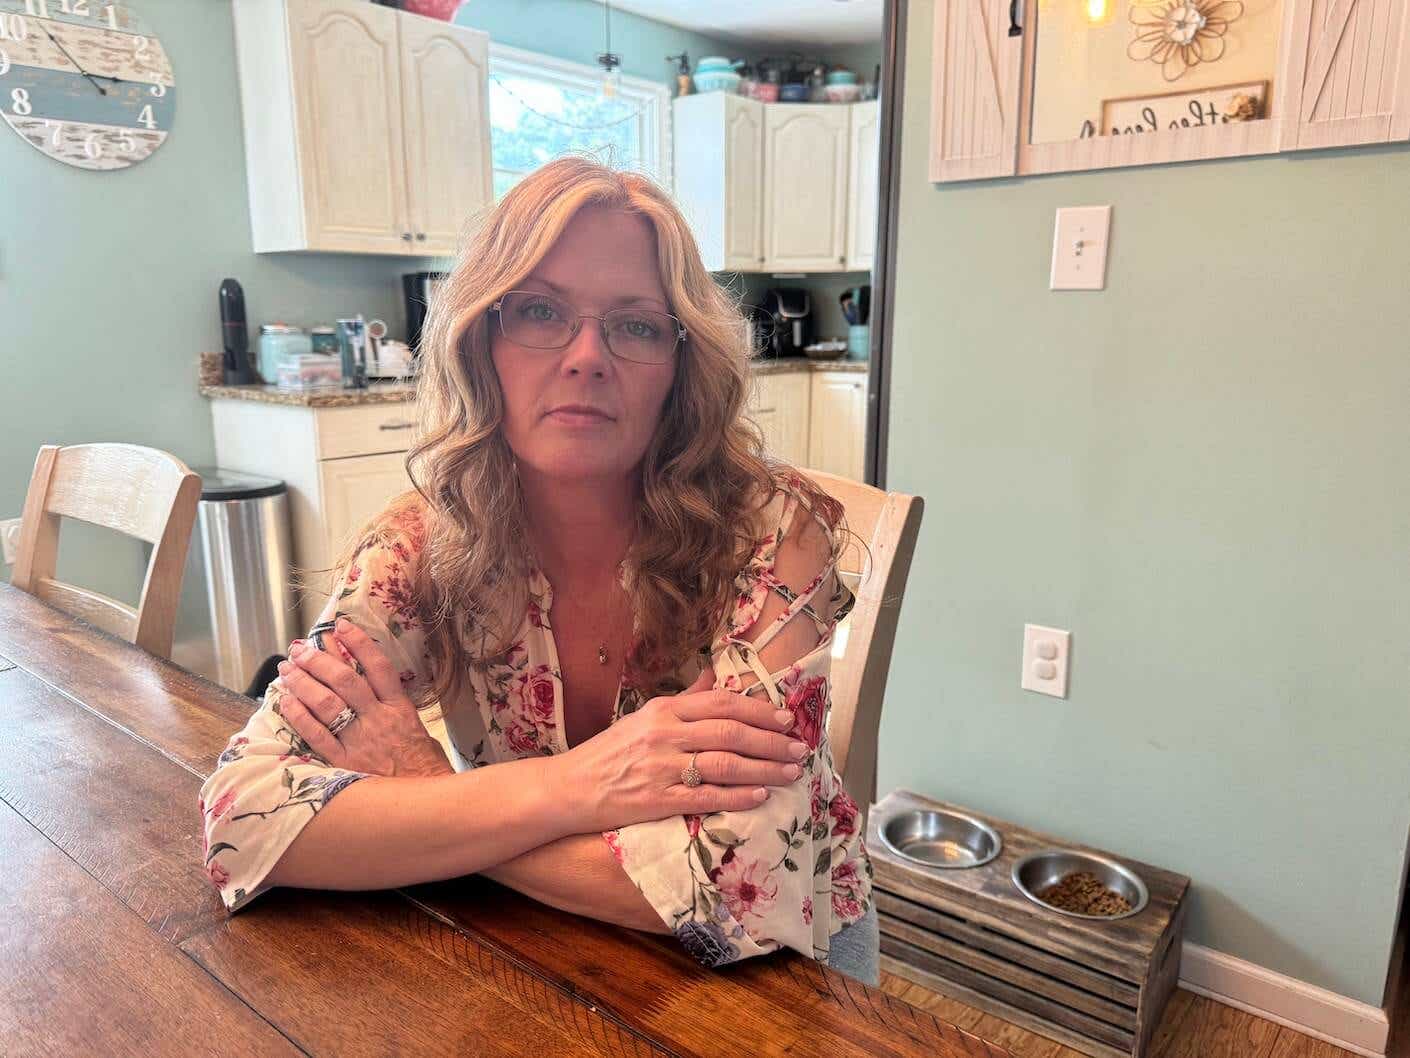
(744,183)
(347,88)
(445,71)
(862,198)
(805,178)
(975,92)
(1345,72)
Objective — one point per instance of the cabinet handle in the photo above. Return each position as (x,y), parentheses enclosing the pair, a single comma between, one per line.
(395,425)
(1015,30)
(406,236)
(420,236)
(842,260)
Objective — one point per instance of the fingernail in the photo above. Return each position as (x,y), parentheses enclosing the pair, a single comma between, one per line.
(798,749)
(792,771)
(784,718)
(284,667)
(343,625)
(761,794)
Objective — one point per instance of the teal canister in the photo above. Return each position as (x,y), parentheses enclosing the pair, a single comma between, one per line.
(859,341)
(278,342)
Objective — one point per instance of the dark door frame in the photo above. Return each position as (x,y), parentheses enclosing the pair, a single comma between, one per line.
(891,94)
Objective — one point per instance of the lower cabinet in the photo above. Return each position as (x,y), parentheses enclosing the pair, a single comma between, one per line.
(357,487)
(342,465)
(780,409)
(837,424)
(814,419)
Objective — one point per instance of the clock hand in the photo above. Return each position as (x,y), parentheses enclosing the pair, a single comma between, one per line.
(101,90)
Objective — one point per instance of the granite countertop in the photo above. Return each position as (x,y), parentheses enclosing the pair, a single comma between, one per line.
(401,392)
(783,367)
(376,393)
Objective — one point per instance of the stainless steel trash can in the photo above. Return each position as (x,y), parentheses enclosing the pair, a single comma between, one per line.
(245,563)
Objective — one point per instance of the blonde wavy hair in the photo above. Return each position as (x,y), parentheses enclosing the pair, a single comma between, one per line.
(704,476)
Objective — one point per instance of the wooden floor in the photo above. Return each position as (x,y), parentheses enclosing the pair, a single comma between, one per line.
(1193,1027)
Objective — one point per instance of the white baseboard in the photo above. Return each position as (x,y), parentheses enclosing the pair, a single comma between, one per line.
(1314,1011)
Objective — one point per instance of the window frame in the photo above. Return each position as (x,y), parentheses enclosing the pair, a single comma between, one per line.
(652,97)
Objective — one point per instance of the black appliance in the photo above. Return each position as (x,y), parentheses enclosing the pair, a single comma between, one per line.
(418,288)
(235,335)
(791,312)
(761,330)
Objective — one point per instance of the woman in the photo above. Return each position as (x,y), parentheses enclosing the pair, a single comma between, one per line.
(588,656)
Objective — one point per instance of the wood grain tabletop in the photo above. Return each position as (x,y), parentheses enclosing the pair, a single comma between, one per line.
(115,942)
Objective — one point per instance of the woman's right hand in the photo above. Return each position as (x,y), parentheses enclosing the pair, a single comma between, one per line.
(631,772)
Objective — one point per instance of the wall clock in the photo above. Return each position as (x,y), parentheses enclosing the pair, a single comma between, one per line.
(84,81)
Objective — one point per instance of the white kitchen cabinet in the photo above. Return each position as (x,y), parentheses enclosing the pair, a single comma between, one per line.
(837,424)
(805,186)
(780,407)
(357,487)
(342,465)
(445,77)
(718,167)
(366,128)
(778,187)
(864,157)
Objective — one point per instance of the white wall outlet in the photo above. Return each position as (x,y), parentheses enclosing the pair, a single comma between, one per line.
(1045,652)
(10,539)
(1080,238)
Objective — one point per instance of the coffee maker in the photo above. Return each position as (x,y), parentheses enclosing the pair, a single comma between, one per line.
(791,311)
(419,288)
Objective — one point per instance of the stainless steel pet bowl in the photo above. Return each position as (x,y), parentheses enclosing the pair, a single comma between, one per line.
(1039,870)
(941,838)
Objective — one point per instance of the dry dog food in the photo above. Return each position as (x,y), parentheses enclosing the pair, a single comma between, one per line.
(1083,894)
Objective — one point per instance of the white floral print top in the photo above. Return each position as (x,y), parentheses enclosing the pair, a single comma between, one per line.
(788,873)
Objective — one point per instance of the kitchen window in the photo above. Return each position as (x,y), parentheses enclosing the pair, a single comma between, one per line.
(541,108)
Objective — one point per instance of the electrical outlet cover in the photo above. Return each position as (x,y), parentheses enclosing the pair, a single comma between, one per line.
(1045,655)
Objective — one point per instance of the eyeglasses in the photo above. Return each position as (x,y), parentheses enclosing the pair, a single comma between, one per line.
(542,321)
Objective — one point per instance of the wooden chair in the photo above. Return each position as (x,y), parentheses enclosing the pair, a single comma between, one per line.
(141,492)
(888,522)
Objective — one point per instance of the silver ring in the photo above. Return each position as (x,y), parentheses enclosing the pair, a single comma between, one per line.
(691,776)
(342,720)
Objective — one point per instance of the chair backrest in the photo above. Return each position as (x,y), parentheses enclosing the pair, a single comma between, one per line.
(141,492)
(888,523)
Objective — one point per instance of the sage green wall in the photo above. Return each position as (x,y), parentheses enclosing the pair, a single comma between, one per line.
(1201,473)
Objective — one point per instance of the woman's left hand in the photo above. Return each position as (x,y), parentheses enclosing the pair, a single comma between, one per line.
(385,736)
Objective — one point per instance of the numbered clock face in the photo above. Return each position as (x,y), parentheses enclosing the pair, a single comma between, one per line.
(84,81)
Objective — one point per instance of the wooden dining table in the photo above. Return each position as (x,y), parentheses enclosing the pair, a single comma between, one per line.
(113,941)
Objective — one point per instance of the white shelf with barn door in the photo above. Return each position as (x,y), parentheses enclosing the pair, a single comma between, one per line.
(366,128)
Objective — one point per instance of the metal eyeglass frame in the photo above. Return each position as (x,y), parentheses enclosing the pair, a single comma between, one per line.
(578,318)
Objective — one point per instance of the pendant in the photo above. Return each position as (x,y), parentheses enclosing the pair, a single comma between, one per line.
(602,655)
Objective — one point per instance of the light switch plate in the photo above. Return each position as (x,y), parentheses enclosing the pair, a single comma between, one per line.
(1045,654)
(1080,239)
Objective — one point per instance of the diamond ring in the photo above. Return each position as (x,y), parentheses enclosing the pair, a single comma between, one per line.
(691,776)
(342,720)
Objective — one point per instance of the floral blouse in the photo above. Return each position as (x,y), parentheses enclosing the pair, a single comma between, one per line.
(787,873)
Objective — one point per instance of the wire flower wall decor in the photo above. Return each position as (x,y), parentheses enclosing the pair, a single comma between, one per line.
(1180,34)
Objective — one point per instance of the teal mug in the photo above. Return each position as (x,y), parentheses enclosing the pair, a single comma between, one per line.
(859,341)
